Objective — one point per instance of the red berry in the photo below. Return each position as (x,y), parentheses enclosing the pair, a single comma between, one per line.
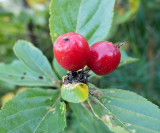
(104,57)
(71,51)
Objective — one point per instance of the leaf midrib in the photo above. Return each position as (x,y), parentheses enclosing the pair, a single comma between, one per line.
(128,110)
(124,126)
(78,16)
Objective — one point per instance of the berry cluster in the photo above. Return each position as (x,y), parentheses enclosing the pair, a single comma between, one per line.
(72,52)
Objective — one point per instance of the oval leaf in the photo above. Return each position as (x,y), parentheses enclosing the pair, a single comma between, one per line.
(90,18)
(33,58)
(33,111)
(17,74)
(75,93)
(121,108)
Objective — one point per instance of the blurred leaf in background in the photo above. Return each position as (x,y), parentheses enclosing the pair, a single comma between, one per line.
(125,10)
(33,27)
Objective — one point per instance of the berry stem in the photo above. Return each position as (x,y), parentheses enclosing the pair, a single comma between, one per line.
(119,45)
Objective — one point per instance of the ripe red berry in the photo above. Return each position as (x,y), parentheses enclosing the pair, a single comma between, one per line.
(104,57)
(71,51)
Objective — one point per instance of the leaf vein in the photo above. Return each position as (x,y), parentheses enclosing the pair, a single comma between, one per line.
(78,16)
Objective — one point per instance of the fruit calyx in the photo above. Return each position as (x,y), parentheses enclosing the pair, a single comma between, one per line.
(66,39)
(120,44)
(76,77)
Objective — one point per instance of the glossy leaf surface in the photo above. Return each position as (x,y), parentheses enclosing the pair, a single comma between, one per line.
(125,111)
(90,18)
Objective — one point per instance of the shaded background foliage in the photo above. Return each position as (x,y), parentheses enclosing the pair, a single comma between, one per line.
(136,22)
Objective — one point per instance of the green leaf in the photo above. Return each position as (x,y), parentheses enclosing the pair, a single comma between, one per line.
(58,69)
(90,18)
(72,126)
(125,59)
(123,111)
(113,123)
(34,59)
(87,120)
(75,92)
(18,74)
(5,86)
(33,111)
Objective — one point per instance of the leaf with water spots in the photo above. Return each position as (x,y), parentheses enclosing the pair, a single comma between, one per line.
(18,74)
(34,110)
(121,109)
(34,59)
